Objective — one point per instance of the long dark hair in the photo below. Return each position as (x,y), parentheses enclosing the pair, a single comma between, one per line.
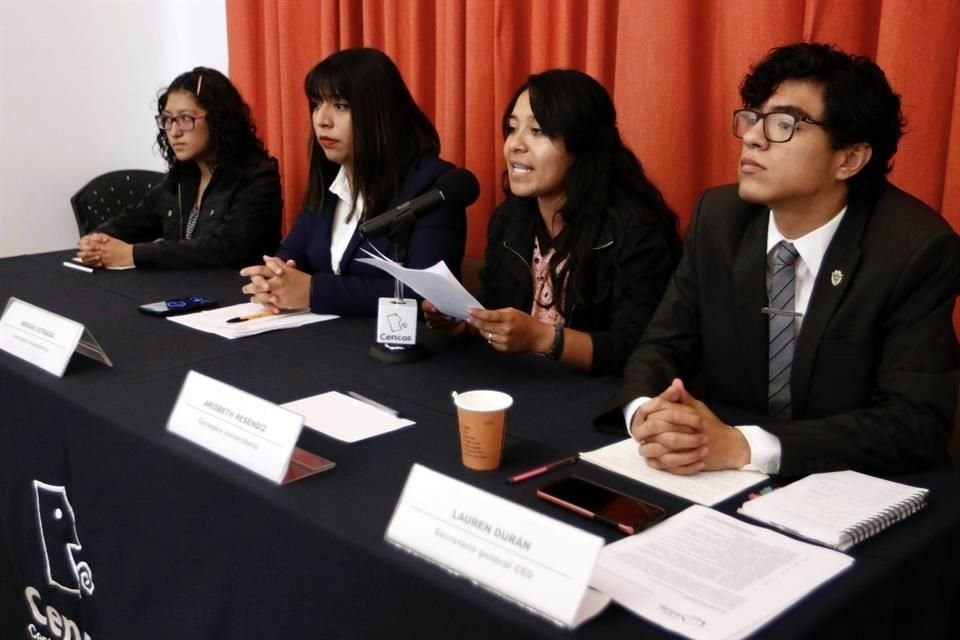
(389,130)
(233,134)
(605,174)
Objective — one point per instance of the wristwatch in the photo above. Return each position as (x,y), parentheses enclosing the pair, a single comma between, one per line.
(556,349)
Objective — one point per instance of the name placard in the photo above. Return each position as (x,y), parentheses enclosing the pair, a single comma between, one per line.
(243,428)
(44,338)
(529,558)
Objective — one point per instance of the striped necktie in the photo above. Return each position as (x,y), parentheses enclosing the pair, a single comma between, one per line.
(782,331)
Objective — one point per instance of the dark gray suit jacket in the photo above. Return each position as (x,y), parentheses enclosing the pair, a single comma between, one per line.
(875,375)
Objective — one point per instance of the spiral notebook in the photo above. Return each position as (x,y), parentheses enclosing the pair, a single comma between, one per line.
(838,509)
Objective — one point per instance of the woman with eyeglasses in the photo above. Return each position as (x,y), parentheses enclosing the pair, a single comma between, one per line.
(219,204)
(371,149)
(579,254)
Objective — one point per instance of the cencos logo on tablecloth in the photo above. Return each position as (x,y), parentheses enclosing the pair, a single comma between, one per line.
(57,528)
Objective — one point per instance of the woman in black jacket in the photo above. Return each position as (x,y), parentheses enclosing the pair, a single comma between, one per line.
(579,255)
(220,203)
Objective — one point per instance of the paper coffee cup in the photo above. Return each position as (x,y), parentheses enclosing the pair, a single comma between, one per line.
(483,420)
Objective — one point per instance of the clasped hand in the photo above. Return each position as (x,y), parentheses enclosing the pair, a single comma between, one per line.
(277,285)
(680,434)
(102,250)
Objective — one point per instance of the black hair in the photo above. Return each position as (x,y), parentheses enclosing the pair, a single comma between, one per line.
(605,174)
(859,104)
(389,130)
(233,134)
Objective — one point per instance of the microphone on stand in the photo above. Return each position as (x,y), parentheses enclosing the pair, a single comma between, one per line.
(396,317)
(458,189)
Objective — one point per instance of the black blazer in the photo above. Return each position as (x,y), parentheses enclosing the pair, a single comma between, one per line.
(239,219)
(624,277)
(441,234)
(875,375)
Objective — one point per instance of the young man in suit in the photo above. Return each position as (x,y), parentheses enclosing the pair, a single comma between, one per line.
(813,294)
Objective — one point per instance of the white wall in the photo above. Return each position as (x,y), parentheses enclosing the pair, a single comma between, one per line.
(78,87)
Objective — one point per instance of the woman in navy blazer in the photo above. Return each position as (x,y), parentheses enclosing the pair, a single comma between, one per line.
(372,148)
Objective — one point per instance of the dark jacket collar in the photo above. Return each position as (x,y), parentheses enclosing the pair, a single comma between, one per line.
(521,220)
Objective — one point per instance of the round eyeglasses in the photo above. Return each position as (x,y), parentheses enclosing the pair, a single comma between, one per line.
(185,121)
(777,125)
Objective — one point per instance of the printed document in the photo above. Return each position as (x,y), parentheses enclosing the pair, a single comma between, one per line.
(708,576)
(435,284)
(250,319)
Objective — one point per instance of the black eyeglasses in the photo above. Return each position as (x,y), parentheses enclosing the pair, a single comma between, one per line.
(777,125)
(185,121)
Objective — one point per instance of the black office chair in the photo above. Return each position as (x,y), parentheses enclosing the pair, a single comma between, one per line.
(107,195)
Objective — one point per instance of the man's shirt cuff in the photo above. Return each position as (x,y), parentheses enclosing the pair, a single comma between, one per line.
(631,408)
(764,450)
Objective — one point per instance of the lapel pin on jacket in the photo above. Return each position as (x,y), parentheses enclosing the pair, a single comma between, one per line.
(836,277)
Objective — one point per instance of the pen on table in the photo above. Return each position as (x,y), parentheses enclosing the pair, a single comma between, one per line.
(78,267)
(762,492)
(533,473)
(252,316)
(374,404)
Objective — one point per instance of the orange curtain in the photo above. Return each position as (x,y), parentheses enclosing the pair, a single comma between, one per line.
(672,67)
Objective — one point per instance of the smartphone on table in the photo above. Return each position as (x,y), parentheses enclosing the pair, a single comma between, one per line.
(606,505)
(176,306)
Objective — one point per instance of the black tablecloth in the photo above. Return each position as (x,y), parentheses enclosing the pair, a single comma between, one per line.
(183,544)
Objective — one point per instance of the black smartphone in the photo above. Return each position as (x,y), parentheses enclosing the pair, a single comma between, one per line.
(595,501)
(176,306)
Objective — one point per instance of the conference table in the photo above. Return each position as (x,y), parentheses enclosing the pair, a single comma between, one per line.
(180,543)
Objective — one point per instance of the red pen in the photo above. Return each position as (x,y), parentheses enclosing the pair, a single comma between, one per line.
(533,473)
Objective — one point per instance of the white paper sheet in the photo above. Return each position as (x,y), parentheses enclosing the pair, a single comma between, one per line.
(435,284)
(341,417)
(215,320)
(706,488)
(709,576)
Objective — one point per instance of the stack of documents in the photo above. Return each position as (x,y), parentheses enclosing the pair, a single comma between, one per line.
(706,488)
(250,319)
(435,284)
(708,576)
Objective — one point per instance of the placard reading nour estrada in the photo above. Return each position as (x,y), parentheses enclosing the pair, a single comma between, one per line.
(515,552)
(45,339)
(241,427)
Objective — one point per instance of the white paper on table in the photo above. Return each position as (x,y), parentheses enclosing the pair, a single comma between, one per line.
(215,320)
(706,488)
(436,284)
(708,576)
(344,418)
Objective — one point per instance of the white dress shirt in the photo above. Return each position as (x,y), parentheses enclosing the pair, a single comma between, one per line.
(346,217)
(764,446)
